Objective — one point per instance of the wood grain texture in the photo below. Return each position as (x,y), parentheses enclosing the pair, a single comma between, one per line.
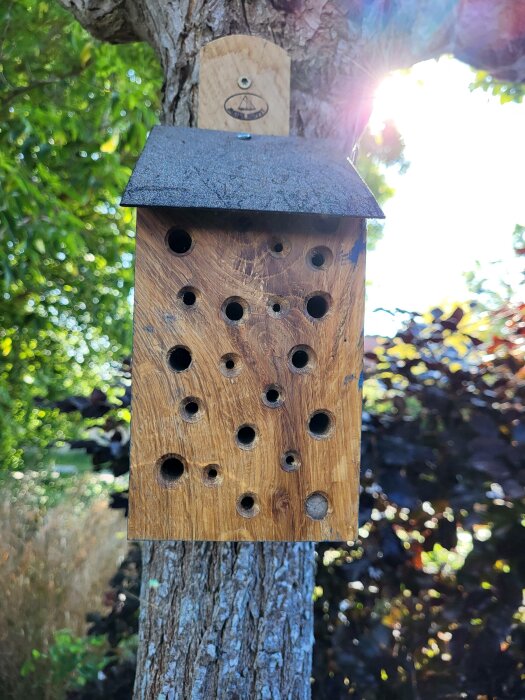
(234,256)
(244,85)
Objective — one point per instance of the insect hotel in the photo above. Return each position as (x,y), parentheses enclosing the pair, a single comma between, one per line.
(248,337)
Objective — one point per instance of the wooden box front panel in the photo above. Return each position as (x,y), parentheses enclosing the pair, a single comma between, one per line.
(246,408)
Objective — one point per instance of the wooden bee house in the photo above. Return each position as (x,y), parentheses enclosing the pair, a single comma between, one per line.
(248,337)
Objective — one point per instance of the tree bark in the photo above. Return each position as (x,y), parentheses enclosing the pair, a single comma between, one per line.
(231,621)
(235,620)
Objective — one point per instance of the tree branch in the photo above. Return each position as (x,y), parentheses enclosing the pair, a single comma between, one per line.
(107,20)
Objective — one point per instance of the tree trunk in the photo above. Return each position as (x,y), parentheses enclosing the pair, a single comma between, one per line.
(231,620)
(235,620)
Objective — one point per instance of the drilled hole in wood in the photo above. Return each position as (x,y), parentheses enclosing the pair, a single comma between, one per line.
(326,224)
(318,305)
(211,475)
(301,359)
(235,310)
(317,506)
(277,306)
(273,396)
(320,424)
(230,365)
(247,505)
(246,436)
(171,468)
(320,258)
(290,461)
(179,241)
(188,296)
(191,409)
(279,247)
(179,358)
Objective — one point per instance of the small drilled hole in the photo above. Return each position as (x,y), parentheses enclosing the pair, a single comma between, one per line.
(247,505)
(316,506)
(279,247)
(211,475)
(301,359)
(320,424)
(171,468)
(317,305)
(290,461)
(273,396)
(320,258)
(190,409)
(277,306)
(188,296)
(235,310)
(179,358)
(230,365)
(246,437)
(179,241)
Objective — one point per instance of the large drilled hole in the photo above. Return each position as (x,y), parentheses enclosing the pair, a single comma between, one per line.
(290,461)
(317,506)
(191,409)
(179,241)
(301,359)
(273,396)
(230,365)
(171,468)
(320,424)
(235,310)
(211,475)
(188,296)
(247,505)
(179,358)
(320,258)
(246,436)
(317,305)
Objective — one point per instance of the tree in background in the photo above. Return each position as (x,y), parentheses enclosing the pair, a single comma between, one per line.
(72,121)
(340,52)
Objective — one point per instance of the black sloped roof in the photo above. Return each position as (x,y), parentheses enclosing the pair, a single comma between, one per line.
(200,168)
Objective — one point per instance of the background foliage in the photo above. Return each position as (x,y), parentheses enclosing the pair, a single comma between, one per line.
(73,118)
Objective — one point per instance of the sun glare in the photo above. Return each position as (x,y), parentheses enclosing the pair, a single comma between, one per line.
(393,100)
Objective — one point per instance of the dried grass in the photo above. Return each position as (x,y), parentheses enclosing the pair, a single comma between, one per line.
(53,570)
